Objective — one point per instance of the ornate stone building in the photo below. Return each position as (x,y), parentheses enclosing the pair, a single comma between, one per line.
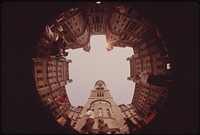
(51,76)
(124,26)
(148,56)
(129,111)
(103,105)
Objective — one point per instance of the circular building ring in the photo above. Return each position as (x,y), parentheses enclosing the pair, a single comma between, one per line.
(124,26)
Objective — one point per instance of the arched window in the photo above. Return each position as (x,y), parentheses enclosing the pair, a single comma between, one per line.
(100,112)
(108,112)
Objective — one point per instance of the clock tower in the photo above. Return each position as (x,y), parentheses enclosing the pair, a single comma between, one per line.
(104,107)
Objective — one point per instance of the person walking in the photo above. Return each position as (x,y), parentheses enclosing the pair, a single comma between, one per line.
(159,80)
(103,127)
(88,127)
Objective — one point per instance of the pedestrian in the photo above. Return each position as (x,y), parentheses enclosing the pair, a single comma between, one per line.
(159,80)
(103,127)
(88,127)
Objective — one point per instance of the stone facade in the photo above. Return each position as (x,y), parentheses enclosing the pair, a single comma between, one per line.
(123,26)
(103,105)
(51,76)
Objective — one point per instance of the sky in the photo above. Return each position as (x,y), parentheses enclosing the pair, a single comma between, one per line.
(98,64)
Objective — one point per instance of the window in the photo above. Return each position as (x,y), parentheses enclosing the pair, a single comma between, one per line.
(108,112)
(39,79)
(131,114)
(40,86)
(100,112)
(74,124)
(97,19)
(132,26)
(39,71)
(93,18)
